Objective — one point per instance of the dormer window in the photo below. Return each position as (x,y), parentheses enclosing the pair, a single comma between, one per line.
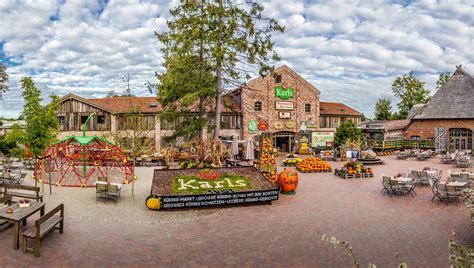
(153,105)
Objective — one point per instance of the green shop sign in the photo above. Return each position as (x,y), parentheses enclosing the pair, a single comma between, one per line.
(252,125)
(284,93)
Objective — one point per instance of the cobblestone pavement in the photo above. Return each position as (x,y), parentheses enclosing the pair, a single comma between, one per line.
(284,234)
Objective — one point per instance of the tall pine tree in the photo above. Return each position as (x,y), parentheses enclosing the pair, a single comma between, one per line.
(233,39)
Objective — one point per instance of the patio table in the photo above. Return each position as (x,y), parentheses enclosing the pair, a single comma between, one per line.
(457,184)
(20,215)
(402,180)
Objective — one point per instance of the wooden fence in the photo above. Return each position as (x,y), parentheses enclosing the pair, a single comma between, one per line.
(400,144)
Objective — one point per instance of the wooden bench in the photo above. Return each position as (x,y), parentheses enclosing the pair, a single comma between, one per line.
(35,196)
(6,200)
(43,226)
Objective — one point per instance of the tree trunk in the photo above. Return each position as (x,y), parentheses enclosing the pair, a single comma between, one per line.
(218,103)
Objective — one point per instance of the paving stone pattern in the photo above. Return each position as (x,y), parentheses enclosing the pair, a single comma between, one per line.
(284,234)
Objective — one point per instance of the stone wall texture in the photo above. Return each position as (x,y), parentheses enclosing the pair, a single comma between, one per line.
(426,128)
(263,90)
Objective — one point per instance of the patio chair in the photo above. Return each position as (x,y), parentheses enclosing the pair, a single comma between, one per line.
(148,162)
(113,192)
(440,175)
(386,185)
(454,177)
(452,193)
(138,161)
(101,191)
(409,188)
(439,191)
(415,175)
(395,187)
(423,175)
(463,177)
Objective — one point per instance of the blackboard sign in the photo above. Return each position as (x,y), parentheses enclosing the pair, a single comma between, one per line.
(217,199)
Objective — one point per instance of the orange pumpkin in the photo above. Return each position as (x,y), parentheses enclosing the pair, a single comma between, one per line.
(288,180)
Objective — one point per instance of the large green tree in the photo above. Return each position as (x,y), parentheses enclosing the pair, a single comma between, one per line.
(232,38)
(442,79)
(3,79)
(411,91)
(347,131)
(383,109)
(185,90)
(41,123)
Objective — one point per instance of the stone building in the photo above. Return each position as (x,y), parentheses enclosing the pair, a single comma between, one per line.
(449,117)
(290,109)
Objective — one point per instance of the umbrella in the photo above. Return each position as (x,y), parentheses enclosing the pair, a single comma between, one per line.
(234,148)
(249,154)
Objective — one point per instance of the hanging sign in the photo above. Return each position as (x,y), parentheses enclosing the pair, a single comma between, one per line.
(278,125)
(262,125)
(284,115)
(303,126)
(252,126)
(284,92)
(290,124)
(284,105)
(321,138)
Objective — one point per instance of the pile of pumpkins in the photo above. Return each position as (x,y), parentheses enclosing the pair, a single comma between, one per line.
(355,168)
(313,164)
(385,153)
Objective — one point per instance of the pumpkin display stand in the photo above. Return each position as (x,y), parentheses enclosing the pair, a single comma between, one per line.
(352,170)
(288,181)
(267,162)
(197,187)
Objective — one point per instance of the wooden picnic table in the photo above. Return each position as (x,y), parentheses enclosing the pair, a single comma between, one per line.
(20,215)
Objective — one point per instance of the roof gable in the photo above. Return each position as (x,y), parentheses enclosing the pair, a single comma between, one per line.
(337,108)
(280,70)
(453,100)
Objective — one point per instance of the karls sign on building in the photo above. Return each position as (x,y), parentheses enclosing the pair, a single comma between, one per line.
(284,92)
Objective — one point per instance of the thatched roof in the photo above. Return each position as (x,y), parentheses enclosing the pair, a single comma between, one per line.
(453,100)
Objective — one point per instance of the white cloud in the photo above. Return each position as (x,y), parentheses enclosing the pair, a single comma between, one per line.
(350,50)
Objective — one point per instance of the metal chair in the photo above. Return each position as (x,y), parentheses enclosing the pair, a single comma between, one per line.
(101,191)
(113,192)
(439,191)
(386,185)
(409,188)
(452,193)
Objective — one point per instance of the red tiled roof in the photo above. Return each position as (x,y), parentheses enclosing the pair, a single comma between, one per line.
(126,104)
(149,104)
(336,108)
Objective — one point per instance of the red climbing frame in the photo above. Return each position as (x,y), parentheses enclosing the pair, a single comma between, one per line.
(71,163)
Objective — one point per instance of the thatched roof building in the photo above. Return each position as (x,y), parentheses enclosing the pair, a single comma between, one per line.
(449,117)
(454,100)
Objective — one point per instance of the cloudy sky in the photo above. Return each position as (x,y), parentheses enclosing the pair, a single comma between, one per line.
(350,50)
